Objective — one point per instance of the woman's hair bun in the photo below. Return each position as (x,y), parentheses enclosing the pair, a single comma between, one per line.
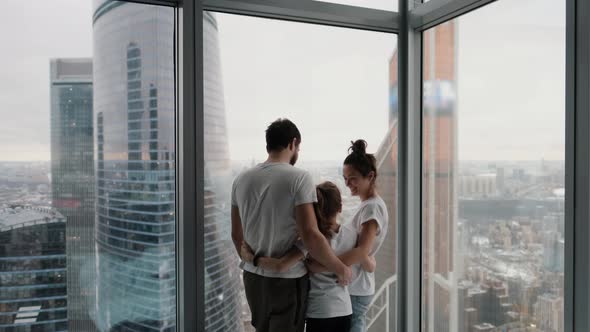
(359,146)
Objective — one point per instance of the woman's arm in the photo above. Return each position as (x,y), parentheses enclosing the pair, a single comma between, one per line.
(369,264)
(357,255)
(365,242)
(282,264)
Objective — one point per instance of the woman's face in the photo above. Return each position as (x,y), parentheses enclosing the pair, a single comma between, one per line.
(355,181)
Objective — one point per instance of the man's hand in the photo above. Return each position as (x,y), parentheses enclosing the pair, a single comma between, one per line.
(344,276)
(246,253)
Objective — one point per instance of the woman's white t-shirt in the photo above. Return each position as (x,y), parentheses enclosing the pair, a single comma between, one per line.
(327,299)
(363,282)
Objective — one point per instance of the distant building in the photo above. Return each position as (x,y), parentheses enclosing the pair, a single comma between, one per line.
(549,313)
(32,270)
(481,185)
(484,305)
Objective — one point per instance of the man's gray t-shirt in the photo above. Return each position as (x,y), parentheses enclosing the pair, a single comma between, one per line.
(266,196)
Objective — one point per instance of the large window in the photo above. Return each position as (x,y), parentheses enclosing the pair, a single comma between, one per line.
(336,85)
(87,168)
(493,156)
(493,209)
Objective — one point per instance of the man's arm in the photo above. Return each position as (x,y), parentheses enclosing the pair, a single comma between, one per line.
(316,243)
(237,233)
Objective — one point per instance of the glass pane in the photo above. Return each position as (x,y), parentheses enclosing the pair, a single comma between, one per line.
(493,170)
(334,84)
(87,167)
(389,5)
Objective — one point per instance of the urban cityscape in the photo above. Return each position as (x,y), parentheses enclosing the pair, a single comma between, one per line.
(88,237)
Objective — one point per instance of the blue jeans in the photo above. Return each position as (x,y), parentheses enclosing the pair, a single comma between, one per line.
(360,305)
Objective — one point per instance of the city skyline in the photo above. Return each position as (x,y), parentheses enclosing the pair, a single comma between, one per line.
(34,142)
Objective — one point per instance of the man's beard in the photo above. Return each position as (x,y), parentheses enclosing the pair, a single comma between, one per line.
(293,159)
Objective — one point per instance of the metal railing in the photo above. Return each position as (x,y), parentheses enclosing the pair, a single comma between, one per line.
(381,304)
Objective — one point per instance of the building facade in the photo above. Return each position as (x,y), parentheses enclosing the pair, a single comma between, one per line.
(72,180)
(32,270)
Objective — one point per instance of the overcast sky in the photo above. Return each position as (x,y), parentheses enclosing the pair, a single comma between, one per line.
(332,82)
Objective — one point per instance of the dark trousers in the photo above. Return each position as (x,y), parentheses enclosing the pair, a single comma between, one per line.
(334,324)
(277,304)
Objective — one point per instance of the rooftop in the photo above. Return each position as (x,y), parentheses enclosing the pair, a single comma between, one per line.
(21,216)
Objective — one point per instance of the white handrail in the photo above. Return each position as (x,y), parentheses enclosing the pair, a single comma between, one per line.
(380,303)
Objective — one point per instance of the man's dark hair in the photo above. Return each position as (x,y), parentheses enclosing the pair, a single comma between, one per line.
(280,133)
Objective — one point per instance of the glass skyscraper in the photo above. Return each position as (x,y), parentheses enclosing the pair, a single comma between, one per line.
(134,93)
(72,180)
(32,270)
(222,282)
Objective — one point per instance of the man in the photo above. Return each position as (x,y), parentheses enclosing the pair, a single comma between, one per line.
(272,206)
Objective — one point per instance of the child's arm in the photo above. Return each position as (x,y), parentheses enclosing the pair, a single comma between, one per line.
(282,264)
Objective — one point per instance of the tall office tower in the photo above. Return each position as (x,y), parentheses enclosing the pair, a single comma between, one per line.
(552,251)
(72,180)
(222,275)
(387,163)
(32,270)
(439,197)
(134,93)
(439,164)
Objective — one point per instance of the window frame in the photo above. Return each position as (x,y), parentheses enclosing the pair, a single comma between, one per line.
(412,18)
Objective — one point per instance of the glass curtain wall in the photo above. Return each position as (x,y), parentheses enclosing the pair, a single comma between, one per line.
(87,168)
(336,85)
(493,156)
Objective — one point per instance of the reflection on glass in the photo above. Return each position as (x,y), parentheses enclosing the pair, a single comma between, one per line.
(389,5)
(493,171)
(334,84)
(222,278)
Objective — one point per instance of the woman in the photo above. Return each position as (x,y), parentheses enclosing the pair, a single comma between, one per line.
(328,304)
(370,221)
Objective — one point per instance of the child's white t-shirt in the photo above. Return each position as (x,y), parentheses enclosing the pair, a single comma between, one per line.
(327,299)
